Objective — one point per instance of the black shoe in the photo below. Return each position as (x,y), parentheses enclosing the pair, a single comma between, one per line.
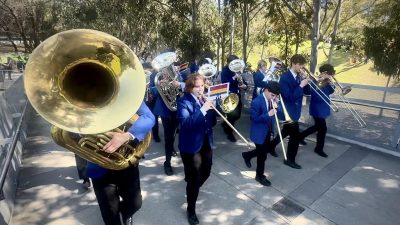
(156,138)
(273,153)
(321,153)
(292,164)
(192,218)
(168,169)
(174,153)
(302,143)
(263,180)
(246,160)
(86,183)
(231,137)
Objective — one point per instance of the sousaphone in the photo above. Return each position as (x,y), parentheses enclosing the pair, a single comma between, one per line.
(86,83)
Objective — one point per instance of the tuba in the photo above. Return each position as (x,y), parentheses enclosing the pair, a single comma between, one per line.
(86,83)
(164,79)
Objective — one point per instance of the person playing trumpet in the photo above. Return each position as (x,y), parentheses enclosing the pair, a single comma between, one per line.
(196,120)
(262,114)
(319,110)
(291,86)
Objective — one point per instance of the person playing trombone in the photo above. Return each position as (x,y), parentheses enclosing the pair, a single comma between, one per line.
(196,120)
(291,86)
(262,114)
(319,110)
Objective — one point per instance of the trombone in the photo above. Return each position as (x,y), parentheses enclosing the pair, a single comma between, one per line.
(228,104)
(315,87)
(287,120)
(340,92)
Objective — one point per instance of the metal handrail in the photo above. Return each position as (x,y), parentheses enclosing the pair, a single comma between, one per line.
(10,153)
(368,104)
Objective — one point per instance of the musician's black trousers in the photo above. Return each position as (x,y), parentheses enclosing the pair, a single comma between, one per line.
(170,125)
(109,188)
(81,167)
(261,153)
(232,117)
(319,127)
(155,127)
(291,129)
(197,169)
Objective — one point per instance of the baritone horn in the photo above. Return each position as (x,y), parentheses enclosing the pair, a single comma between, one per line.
(228,103)
(166,77)
(86,83)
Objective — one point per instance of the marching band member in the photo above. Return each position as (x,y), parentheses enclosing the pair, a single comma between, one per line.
(227,76)
(261,131)
(291,86)
(195,138)
(151,99)
(259,77)
(319,110)
(170,124)
(111,185)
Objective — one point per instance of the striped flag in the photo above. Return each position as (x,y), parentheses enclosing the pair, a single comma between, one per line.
(219,90)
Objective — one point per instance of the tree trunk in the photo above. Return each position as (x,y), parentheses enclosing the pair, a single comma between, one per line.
(335,28)
(194,21)
(232,34)
(384,95)
(315,36)
(245,18)
(218,37)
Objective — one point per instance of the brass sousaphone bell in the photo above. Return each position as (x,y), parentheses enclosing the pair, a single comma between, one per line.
(86,83)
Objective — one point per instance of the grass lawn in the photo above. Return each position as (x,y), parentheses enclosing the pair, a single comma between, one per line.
(346,72)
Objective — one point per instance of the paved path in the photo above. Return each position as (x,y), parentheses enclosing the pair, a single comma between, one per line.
(352,186)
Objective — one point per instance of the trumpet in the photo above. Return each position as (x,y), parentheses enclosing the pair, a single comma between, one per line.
(204,99)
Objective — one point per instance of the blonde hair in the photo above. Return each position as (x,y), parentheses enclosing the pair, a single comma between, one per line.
(261,63)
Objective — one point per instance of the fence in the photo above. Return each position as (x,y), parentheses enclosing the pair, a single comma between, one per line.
(12,137)
(378,106)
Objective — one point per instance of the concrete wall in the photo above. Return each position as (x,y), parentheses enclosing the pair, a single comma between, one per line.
(12,102)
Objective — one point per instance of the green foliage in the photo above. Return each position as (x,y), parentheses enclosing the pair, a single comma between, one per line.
(382,40)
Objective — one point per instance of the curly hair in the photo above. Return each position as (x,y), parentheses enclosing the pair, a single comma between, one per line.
(191,81)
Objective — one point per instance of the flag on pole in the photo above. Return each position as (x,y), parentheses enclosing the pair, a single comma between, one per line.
(219,90)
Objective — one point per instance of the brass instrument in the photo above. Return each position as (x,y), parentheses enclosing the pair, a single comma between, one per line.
(343,90)
(207,70)
(165,78)
(230,103)
(237,66)
(306,74)
(274,72)
(86,83)
(340,92)
(276,68)
(274,106)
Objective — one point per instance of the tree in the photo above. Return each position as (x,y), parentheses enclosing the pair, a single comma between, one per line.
(382,38)
(29,21)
